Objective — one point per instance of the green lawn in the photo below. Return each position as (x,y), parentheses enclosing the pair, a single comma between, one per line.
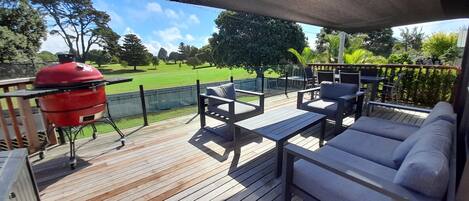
(167,75)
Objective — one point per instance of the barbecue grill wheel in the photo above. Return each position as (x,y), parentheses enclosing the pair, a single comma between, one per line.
(94,136)
(73,163)
(123,141)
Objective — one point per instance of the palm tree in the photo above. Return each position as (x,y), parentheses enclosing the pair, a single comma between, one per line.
(359,56)
(306,57)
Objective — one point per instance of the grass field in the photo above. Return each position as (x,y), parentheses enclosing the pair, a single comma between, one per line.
(167,75)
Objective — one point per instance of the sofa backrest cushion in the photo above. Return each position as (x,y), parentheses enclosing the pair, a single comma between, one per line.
(442,110)
(335,90)
(425,169)
(439,127)
(224,91)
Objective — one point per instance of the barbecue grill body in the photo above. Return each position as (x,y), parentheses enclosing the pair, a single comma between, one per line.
(83,97)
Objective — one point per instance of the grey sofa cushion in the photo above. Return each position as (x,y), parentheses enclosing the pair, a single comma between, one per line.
(224,91)
(335,90)
(327,186)
(374,148)
(439,127)
(442,110)
(322,106)
(426,167)
(384,128)
(242,110)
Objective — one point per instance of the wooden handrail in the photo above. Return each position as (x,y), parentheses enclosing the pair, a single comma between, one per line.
(386,65)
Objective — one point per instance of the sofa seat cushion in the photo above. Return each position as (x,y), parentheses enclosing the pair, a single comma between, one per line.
(326,186)
(442,110)
(384,128)
(242,110)
(425,169)
(327,107)
(224,91)
(440,127)
(372,147)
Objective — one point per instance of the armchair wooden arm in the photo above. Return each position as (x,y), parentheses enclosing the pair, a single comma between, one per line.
(260,95)
(301,93)
(360,177)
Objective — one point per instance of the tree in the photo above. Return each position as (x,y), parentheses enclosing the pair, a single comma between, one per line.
(22,29)
(47,56)
(254,42)
(110,41)
(173,56)
(439,43)
(305,57)
(193,61)
(332,47)
(380,42)
(78,23)
(359,56)
(134,52)
(162,54)
(321,42)
(100,57)
(412,39)
(205,54)
(155,61)
(400,58)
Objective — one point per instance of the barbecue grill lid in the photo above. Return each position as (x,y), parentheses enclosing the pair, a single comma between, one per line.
(66,74)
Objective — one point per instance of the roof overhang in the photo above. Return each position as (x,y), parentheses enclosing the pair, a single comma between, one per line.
(348,15)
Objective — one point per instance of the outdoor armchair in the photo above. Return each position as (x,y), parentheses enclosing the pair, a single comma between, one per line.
(220,103)
(336,100)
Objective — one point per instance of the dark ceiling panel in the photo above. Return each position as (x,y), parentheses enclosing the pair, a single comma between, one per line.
(348,15)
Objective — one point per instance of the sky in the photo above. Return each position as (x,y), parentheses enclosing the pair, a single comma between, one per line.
(165,24)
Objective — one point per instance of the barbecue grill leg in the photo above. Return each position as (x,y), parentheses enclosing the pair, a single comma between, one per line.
(95,131)
(72,136)
(111,122)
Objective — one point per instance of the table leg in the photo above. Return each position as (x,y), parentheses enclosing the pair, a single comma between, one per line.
(374,90)
(323,132)
(236,140)
(279,146)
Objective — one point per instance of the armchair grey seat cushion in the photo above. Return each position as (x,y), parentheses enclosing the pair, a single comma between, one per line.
(374,148)
(242,110)
(324,106)
(327,186)
(384,128)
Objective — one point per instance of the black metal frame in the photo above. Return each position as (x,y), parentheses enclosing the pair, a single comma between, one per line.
(341,113)
(293,152)
(231,119)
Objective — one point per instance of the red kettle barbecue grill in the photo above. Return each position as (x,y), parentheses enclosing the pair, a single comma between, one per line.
(72,96)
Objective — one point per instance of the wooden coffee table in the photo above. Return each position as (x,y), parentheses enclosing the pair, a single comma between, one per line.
(279,125)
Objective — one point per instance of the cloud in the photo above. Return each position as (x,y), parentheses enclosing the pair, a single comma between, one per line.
(170,34)
(189,37)
(215,29)
(194,19)
(430,28)
(154,7)
(171,13)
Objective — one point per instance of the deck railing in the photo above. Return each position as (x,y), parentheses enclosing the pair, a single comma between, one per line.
(422,85)
(20,119)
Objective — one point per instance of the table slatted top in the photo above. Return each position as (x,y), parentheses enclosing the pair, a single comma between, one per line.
(281,123)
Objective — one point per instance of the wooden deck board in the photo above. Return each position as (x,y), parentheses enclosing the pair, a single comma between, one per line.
(174,160)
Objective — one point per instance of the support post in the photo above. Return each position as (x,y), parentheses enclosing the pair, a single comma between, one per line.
(262,84)
(286,83)
(197,84)
(231,79)
(341,47)
(144,107)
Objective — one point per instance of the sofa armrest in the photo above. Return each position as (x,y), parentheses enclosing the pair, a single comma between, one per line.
(365,179)
(395,106)
(299,98)
(249,92)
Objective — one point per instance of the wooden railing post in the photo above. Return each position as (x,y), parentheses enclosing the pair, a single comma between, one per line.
(6,133)
(14,120)
(28,122)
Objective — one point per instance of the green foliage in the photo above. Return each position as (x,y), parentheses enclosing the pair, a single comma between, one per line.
(100,57)
(47,56)
(400,58)
(359,56)
(439,43)
(450,55)
(79,24)
(321,42)
(355,42)
(412,39)
(155,61)
(254,42)
(193,61)
(22,29)
(205,54)
(134,52)
(332,47)
(380,42)
(162,54)
(306,57)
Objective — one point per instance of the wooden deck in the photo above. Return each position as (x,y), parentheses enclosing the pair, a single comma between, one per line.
(175,160)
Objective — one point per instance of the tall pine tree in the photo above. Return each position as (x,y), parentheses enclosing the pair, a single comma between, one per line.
(134,52)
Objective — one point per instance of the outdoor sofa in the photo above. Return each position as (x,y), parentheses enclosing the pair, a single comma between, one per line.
(220,103)
(377,159)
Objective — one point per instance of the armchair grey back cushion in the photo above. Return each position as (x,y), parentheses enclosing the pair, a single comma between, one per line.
(425,169)
(224,91)
(335,90)
(439,127)
(442,110)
